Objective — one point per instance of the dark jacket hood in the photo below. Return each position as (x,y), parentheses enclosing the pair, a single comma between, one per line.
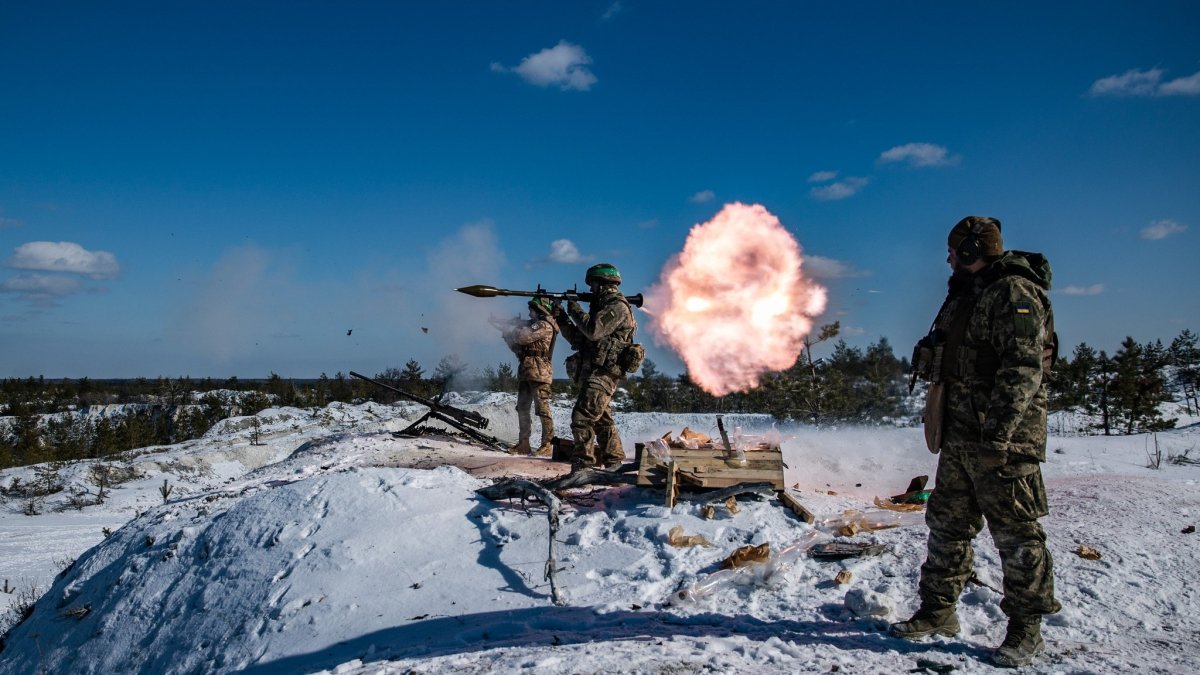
(1032,266)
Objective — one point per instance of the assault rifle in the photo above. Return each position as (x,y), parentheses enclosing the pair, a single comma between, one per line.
(465,421)
(573,294)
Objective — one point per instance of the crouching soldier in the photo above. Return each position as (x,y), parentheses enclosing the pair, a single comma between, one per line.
(534,348)
(988,358)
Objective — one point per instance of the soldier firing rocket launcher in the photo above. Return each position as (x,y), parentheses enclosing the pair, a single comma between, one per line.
(573,294)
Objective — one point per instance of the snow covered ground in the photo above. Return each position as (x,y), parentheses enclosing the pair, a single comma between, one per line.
(324,550)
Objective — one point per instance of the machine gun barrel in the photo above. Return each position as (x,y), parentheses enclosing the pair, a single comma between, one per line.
(472,419)
(491,292)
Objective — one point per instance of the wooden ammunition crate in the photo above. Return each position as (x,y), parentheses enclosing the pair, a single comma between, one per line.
(707,467)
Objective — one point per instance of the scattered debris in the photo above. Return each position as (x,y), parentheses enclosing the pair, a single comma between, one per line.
(418,618)
(708,511)
(915,494)
(746,555)
(1188,530)
(852,522)
(589,476)
(752,573)
(862,602)
(731,504)
(842,577)
(980,582)
(760,490)
(788,500)
(840,550)
(892,506)
(1087,552)
(677,538)
(76,613)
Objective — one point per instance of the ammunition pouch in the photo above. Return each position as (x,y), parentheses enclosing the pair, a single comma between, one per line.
(572,364)
(631,357)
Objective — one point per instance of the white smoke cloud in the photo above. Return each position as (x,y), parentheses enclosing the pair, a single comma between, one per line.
(1136,82)
(820,267)
(563,65)
(920,155)
(64,256)
(1161,229)
(847,187)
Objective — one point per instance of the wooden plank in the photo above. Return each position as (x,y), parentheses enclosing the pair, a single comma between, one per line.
(796,507)
(672,485)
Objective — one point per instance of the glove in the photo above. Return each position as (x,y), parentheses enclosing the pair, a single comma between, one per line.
(574,307)
(992,454)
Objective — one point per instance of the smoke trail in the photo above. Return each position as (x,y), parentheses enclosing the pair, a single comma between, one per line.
(734,303)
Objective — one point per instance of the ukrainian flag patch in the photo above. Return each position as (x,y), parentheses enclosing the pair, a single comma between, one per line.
(1022,309)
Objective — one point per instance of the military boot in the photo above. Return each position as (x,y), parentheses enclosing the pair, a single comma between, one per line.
(927,622)
(1022,644)
(544,450)
(521,448)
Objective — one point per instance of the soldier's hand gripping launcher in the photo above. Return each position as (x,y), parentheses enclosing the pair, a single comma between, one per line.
(464,420)
(573,294)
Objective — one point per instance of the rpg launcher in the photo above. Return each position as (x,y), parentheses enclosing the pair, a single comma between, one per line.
(573,294)
(465,421)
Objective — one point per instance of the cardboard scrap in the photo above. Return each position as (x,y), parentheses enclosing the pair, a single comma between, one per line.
(708,511)
(897,507)
(731,504)
(746,555)
(1087,552)
(689,435)
(677,538)
(842,577)
(849,529)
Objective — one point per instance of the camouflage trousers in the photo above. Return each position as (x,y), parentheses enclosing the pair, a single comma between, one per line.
(592,419)
(1011,499)
(535,395)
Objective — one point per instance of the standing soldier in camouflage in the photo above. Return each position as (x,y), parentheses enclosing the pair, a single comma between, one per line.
(990,351)
(603,340)
(534,348)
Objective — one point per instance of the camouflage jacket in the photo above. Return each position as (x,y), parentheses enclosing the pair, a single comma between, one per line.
(602,332)
(534,346)
(996,396)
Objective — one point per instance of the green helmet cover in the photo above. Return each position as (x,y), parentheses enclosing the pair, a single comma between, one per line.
(604,273)
(542,305)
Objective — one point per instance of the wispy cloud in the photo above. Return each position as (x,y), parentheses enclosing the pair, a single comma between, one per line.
(648,224)
(853,331)
(920,154)
(64,256)
(1161,229)
(613,10)
(1094,289)
(8,223)
(41,289)
(702,197)
(822,176)
(821,267)
(563,65)
(1136,82)
(847,187)
(562,251)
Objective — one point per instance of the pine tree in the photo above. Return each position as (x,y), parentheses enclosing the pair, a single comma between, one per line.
(1185,357)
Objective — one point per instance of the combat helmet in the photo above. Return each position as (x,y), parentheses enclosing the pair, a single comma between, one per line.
(603,273)
(542,305)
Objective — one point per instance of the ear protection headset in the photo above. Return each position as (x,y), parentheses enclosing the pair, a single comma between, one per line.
(970,248)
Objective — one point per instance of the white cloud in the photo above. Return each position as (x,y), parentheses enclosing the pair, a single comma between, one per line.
(1095,289)
(853,331)
(822,176)
(846,187)
(702,197)
(563,66)
(613,10)
(1161,229)
(64,256)
(41,289)
(8,223)
(648,224)
(1145,83)
(562,251)
(820,267)
(920,154)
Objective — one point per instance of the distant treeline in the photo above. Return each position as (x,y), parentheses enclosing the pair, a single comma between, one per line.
(1118,394)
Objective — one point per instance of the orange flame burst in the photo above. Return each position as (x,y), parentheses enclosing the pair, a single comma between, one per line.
(734,303)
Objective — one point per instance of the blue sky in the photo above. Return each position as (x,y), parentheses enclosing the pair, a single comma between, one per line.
(227,188)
